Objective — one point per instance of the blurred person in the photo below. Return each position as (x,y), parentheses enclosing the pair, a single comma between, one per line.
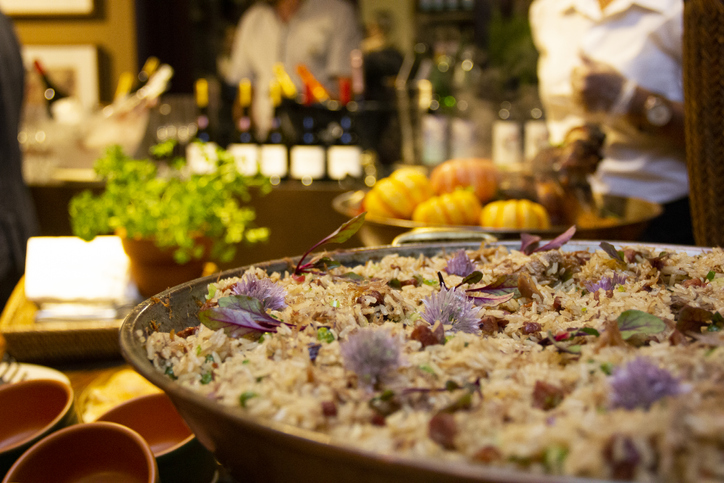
(17,214)
(618,63)
(320,34)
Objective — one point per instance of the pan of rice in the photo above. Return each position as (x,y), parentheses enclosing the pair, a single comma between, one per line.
(508,361)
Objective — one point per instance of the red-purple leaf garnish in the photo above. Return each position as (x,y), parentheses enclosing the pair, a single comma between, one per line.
(633,322)
(529,243)
(495,293)
(239,315)
(340,235)
(611,251)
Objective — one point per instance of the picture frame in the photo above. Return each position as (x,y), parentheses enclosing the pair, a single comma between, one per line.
(29,8)
(72,67)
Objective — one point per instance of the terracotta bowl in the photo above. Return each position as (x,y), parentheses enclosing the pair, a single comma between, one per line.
(180,456)
(31,410)
(95,452)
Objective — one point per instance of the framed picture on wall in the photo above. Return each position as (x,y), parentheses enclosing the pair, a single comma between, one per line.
(22,8)
(72,68)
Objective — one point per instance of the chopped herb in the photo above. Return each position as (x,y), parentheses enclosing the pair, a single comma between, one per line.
(395,283)
(554,458)
(607,368)
(245,396)
(261,339)
(590,331)
(246,361)
(169,373)
(325,335)
(207,378)
(710,276)
(427,369)
(353,276)
(334,303)
(212,291)
(209,358)
(198,350)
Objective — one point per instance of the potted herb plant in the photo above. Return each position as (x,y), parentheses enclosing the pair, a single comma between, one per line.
(171,220)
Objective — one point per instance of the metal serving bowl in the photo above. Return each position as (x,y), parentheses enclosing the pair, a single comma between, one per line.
(256,450)
(632,216)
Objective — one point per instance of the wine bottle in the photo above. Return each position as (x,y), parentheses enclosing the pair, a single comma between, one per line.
(244,147)
(148,69)
(273,153)
(315,91)
(201,156)
(201,89)
(308,157)
(344,156)
(125,83)
(289,90)
(52,92)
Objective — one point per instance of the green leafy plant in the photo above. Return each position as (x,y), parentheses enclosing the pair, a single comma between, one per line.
(162,200)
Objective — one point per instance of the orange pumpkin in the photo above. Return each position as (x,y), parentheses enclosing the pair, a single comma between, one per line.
(461,207)
(479,173)
(397,195)
(514,214)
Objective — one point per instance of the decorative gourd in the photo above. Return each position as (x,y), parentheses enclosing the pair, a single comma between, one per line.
(461,207)
(397,195)
(514,214)
(479,173)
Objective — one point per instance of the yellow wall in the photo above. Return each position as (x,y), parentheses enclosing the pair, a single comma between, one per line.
(112,29)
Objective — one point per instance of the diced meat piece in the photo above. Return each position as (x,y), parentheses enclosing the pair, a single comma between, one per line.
(442,429)
(546,396)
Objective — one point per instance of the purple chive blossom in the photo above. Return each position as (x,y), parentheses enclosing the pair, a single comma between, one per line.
(460,264)
(641,383)
(451,307)
(270,294)
(371,354)
(606,283)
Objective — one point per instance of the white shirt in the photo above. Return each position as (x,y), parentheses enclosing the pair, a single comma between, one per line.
(642,39)
(321,35)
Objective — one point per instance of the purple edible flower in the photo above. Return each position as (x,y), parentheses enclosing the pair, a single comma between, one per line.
(606,283)
(641,383)
(371,354)
(460,264)
(452,307)
(270,294)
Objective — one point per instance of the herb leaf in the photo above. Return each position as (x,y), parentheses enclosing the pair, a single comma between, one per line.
(340,235)
(239,315)
(611,251)
(529,243)
(633,322)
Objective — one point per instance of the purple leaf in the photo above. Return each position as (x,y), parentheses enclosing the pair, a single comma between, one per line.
(558,241)
(632,322)
(528,243)
(340,235)
(491,299)
(239,315)
(611,251)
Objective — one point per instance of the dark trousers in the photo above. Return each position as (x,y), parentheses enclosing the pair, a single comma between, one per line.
(673,226)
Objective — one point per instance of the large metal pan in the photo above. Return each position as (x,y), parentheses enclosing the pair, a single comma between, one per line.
(265,451)
(632,215)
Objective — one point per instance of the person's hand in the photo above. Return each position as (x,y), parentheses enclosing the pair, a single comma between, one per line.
(597,87)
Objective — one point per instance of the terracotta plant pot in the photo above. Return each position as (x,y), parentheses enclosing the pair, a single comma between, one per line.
(154,269)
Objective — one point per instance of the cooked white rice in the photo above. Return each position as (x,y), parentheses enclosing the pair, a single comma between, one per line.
(678,438)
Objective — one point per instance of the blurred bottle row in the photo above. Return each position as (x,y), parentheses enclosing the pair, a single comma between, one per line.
(312,137)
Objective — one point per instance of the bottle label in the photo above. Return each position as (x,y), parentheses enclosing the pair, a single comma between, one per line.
(507,143)
(535,138)
(462,138)
(307,161)
(343,161)
(434,139)
(246,158)
(273,160)
(201,157)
